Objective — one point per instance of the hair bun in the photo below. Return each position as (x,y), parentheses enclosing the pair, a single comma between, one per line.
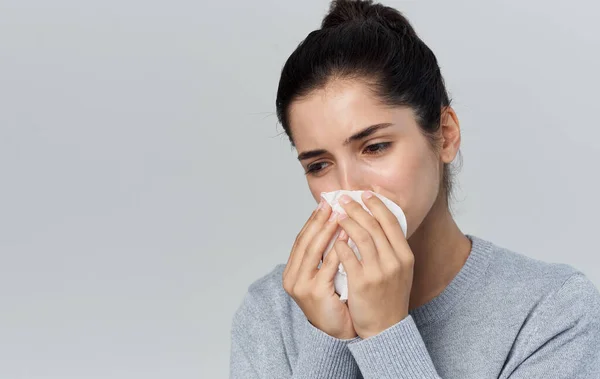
(358,11)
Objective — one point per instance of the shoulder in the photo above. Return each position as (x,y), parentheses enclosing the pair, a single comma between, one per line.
(557,312)
(580,294)
(269,320)
(540,290)
(511,269)
(268,289)
(528,289)
(265,329)
(265,297)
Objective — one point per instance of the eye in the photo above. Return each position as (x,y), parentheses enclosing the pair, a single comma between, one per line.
(377,148)
(374,149)
(313,168)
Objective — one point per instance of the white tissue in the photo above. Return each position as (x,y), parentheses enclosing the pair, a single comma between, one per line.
(340,281)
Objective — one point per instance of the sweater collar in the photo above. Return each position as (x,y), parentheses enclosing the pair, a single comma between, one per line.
(472,270)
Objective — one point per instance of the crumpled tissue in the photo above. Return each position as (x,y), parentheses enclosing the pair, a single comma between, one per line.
(340,280)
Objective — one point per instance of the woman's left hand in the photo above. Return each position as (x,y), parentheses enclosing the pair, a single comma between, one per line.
(379,284)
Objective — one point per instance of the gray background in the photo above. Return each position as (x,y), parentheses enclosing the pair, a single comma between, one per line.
(145,183)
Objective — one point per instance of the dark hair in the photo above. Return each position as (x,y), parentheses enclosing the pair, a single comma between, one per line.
(376,44)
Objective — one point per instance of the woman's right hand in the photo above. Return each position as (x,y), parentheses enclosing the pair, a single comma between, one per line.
(312,288)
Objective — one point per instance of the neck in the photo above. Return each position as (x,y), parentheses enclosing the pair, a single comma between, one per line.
(440,251)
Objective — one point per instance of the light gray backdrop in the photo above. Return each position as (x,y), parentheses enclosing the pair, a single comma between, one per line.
(144,185)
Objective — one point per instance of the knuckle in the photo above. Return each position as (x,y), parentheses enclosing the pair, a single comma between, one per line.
(408,261)
(374,280)
(309,247)
(288,285)
(300,238)
(329,259)
(368,282)
(320,215)
(391,275)
(391,268)
(363,237)
(390,219)
(372,223)
(340,248)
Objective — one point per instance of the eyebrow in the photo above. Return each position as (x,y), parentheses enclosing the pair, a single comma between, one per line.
(355,137)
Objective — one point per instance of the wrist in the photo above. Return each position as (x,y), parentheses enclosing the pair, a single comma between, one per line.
(341,334)
(373,331)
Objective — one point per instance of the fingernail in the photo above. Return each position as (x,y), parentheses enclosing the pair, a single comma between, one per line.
(342,216)
(367,194)
(332,217)
(342,235)
(345,199)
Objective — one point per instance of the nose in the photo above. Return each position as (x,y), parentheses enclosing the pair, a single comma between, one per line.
(352,178)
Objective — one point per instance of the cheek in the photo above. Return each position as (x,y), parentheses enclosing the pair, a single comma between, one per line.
(406,173)
(411,181)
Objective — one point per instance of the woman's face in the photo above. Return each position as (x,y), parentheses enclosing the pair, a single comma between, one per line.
(346,139)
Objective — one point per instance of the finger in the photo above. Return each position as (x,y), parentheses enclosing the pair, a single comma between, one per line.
(291,265)
(329,268)
(352,265)
(310,218)
(315,249)
(321,206)
(390,226)
(307,233)
(363,240)
(357,213)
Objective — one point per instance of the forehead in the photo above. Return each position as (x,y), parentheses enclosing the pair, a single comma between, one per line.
(336,111)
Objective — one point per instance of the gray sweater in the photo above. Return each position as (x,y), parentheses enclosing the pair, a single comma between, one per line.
(504,315)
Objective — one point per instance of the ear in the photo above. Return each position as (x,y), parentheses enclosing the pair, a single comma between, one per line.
(450,130)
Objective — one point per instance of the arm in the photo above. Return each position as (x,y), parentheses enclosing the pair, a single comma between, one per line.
(397,352)
(562,341)
(258,351)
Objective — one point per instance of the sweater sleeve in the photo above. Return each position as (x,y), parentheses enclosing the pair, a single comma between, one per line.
(562,340)
(258,350)
(397,352)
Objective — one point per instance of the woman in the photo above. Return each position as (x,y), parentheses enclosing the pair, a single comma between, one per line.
(363,102)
